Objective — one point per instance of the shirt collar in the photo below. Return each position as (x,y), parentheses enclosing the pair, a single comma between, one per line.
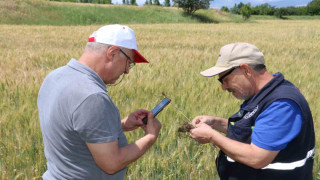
(74,64)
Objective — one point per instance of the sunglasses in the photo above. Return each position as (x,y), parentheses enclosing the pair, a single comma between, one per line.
(226,74)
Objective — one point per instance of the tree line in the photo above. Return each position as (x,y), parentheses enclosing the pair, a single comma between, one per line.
(246,10)
(189,6)
(126,2)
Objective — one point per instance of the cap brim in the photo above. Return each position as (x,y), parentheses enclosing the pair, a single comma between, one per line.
(139,58)
(214,71)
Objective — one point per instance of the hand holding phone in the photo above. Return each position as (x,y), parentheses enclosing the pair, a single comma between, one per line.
(156,110)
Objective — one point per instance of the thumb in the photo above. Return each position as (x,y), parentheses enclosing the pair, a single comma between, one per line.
(150,117)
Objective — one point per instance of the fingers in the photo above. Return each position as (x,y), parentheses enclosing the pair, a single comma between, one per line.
(141,116)
(190,135)
(150,115)
(195,121)
(193,136)
(141,111)
(148,118)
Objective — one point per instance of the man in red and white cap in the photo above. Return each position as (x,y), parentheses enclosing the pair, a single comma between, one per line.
(82,131)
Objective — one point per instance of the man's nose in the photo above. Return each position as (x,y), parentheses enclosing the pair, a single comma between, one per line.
(127,70)
(223,86)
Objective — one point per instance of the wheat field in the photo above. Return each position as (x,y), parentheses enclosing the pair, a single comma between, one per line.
(177,53)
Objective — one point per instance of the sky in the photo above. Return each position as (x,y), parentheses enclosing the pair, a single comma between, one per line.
(217,4)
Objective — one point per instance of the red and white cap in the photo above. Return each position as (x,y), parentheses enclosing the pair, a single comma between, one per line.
(118,35)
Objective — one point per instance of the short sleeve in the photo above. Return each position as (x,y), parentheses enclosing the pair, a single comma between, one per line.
(277,125)
(97,119)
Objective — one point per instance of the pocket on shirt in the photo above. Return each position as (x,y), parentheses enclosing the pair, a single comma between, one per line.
(240,131)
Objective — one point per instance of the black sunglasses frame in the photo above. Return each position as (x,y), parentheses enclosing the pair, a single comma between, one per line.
(226,74)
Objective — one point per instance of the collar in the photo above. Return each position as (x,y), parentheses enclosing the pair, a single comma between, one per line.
(270,86)
(76,65)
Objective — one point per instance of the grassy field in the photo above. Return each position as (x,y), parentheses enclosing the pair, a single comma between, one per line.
(177,53)
(44,12)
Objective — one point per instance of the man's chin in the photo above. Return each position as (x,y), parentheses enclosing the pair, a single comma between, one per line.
(115,81)
(112,82)
(237,96)
(240,97)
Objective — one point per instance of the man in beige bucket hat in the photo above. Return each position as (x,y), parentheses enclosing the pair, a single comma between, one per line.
(272,135)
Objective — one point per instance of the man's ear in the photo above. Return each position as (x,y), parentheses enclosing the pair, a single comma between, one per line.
(112,52)
(247,70)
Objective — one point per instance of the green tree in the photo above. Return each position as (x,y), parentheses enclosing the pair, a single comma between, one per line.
(191,6)
(280,12)
(133,2)
(224,8)
(245,11)
(167,3)
(263,9)
(314,7)
(156,2)
(303,10)
(101,1)
(236,8)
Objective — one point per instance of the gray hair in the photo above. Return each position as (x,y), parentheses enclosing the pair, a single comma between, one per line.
(258,67)
(99,47)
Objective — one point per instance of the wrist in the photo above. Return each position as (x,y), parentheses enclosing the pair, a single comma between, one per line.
(212,135)
(123,125)
(151,137)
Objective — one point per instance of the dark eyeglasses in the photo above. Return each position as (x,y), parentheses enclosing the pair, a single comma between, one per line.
(226,74)
(132,63)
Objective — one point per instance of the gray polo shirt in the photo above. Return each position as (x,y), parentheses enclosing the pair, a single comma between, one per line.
(74,108)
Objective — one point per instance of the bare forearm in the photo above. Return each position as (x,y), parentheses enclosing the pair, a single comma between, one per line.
(247,154)
(110,158)
(234,149)
(220,124)
(132,152)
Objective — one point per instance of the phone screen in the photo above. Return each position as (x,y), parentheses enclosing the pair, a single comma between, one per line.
(160,106)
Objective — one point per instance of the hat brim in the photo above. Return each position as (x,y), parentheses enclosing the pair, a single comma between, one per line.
(139,58)
(214,71)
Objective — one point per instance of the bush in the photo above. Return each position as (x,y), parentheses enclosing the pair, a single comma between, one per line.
(224,8)
(246,11)
(190,6)
(281,12)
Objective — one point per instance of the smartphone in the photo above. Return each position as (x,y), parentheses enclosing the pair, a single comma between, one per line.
(156,110)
